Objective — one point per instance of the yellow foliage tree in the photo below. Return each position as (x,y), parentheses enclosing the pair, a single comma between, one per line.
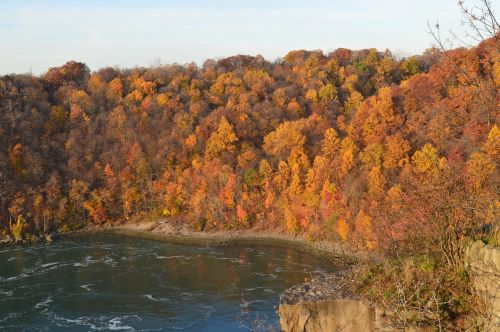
(348,153)
(364,228)
(284,139)
(353,102)
(376,181)
(222,140)
(492,144)
(342,229)
(371,156)
(17,228)
(426,160)
(115,89)
(330,145)
(265,170)
(396,149)
(480,168)
(282,176)
(328,93)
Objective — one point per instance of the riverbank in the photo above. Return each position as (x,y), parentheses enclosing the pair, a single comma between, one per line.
(163,230)
(326,287)
(326,300)
(336,288)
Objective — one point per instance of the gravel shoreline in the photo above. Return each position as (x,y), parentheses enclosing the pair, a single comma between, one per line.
(163,230)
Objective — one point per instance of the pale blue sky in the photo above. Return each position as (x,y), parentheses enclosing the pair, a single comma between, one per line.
(42,34)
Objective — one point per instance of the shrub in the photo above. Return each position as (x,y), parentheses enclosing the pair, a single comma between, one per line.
(419,291)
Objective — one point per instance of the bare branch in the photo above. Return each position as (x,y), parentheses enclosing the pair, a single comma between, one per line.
(481,19)
(436,35)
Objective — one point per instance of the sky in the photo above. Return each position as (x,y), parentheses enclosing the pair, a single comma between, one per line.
(38,34)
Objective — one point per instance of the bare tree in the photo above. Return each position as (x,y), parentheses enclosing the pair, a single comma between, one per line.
(479,23)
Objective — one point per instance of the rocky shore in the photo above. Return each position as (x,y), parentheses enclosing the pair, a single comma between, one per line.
(168,231)
(326,303)
(329,302)
(321,288)
(164,230)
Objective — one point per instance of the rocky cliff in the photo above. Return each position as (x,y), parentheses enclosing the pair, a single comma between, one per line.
(326,303)
(483,262)
(327,315)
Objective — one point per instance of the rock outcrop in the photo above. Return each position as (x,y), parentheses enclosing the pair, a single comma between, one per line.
(327,315)
(483,262)
(327,303)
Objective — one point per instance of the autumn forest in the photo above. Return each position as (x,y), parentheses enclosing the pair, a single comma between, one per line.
(363,147)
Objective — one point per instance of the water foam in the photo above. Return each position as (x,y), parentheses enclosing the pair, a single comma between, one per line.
(44,305)
(86,287)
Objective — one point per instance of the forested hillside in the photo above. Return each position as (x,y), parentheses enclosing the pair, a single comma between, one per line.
(356,146)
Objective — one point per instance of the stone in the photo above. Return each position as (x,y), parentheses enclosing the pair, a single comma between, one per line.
(329,315)
(483,262)
(327,303)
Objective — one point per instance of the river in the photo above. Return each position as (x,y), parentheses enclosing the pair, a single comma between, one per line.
(112,282)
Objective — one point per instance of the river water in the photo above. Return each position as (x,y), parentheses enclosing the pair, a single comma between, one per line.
(111,282)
